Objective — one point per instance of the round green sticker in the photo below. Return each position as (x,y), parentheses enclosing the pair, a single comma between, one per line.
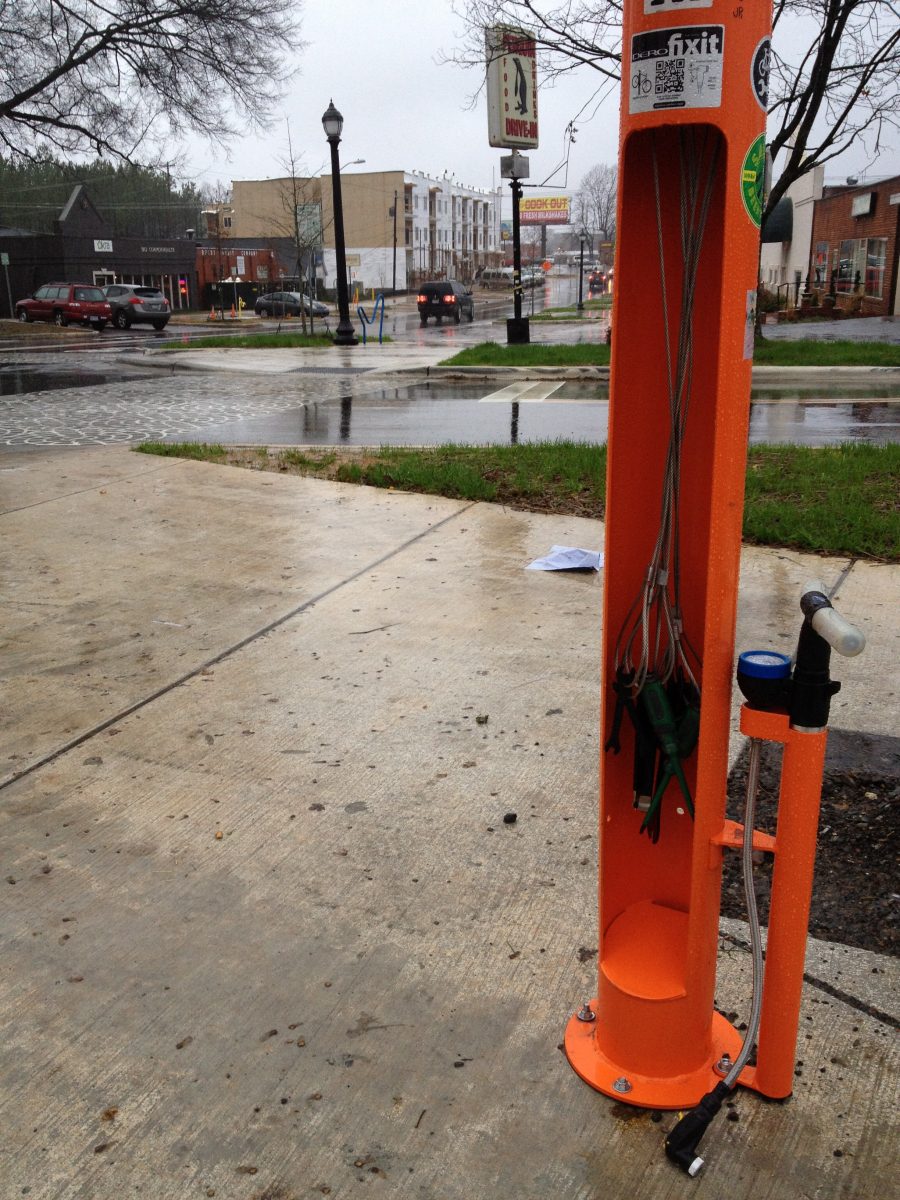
(753,178)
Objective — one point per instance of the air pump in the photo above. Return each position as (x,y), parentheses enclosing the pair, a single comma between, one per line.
(802,694)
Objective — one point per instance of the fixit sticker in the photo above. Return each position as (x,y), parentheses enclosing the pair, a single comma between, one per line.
(678,67)
(753,180)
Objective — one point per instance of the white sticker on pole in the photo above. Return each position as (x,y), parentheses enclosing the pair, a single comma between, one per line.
(750,325)
(651,7)
(677,67)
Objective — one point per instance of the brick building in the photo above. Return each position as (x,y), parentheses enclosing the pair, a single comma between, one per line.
(855,246)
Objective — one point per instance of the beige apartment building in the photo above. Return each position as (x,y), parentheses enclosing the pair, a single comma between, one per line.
(443,229)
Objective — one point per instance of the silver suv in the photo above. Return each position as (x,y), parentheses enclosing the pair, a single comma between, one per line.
(132,304)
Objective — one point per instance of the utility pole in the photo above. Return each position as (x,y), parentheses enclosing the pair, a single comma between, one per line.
(394,276)
(581,273)
(514,167)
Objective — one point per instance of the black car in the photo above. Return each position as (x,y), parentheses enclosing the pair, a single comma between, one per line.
(288,304)
(597,281)
(444,298)
(132,304)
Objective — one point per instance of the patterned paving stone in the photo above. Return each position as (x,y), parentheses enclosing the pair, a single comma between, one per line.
(157,406)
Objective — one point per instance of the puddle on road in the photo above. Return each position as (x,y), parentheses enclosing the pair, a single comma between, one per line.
(23,381)
(432,413)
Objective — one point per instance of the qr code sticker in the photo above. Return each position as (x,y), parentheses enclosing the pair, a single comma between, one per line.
(670,77)
(676,67)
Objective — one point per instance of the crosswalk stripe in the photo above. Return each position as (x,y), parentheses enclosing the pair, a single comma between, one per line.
(522,393)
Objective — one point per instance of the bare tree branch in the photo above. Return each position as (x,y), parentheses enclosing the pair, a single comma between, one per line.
(127,77)
(595,202)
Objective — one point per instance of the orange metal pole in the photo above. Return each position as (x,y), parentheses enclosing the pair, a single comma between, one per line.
(792,879)
(693,107)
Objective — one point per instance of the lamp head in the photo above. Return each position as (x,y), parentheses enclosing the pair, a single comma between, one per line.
(332,123)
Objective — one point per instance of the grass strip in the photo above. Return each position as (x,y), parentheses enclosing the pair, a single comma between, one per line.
(783,353)
(534,354)
(202,451)
(810,352)
(831,500)
(838,500)
(263,341)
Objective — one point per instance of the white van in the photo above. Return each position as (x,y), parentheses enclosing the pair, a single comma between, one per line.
(497,277)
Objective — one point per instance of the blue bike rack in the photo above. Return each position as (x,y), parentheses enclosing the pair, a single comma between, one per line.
(361,313)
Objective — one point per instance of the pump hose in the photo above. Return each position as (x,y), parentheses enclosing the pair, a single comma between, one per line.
(683,1140)
(752,914)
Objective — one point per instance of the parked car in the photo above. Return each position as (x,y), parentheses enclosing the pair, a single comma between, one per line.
(289,304)
(132,304)
(444,298)
(65,304)
(497,277)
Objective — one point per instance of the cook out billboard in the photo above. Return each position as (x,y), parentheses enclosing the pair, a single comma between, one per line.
(544,210)
(511,87)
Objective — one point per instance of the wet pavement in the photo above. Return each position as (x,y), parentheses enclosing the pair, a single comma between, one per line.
(27,381)
(332,408)
(434,413)
(857,329)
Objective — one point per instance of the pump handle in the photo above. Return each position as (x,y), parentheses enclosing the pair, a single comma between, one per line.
(828,622)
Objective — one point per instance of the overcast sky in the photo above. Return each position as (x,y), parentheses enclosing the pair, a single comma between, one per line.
(377,59)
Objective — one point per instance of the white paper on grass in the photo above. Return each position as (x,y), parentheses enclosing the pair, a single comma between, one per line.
(568,558)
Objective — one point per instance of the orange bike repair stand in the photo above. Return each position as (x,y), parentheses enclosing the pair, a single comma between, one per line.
(694,91)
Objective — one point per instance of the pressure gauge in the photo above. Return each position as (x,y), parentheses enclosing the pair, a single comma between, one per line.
(764,678)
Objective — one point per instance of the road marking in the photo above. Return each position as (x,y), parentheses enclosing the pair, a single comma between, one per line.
(537,393)
(522,393)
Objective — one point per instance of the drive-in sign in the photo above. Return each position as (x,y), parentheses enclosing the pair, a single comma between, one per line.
(511,87)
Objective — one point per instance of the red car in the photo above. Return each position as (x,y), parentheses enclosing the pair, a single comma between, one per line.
(66,304)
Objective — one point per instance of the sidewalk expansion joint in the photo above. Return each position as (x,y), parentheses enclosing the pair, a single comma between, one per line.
(166,464)
(822,985)
(130,709)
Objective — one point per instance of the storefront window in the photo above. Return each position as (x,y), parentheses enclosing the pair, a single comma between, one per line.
(851,265)
(820,263)
(861,266)
(875,256)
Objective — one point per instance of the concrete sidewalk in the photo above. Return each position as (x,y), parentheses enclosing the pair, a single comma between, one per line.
(266,932)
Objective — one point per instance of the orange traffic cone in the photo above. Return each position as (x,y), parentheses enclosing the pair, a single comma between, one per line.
(233,314)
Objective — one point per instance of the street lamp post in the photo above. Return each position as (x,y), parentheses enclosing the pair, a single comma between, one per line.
(580,304)
(514,167)
(333,123)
